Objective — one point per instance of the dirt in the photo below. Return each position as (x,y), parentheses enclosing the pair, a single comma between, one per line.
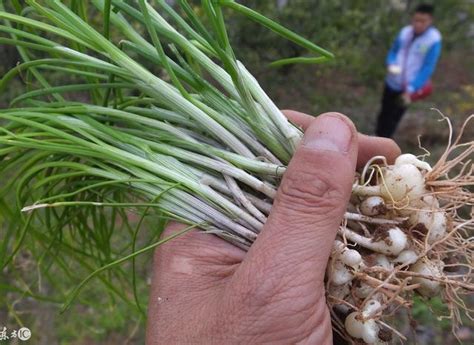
(419,231)
(381,233)
(385,334)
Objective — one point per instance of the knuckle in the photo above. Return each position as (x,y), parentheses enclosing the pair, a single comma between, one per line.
(309,193)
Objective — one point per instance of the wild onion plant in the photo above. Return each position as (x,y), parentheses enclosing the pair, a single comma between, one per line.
(173,122)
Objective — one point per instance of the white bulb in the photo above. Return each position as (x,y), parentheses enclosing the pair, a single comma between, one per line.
(371,308)
(406,257)
(340,274)
(435,223)
(429,201)
(373,206)
(398,240)
(351,257)
(366,330)
(371,330)
(402,182)
(353,326)
(393,242)
(408,158)
(382,261)
(428,268)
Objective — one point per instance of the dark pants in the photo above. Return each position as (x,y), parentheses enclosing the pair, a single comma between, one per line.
(391,113)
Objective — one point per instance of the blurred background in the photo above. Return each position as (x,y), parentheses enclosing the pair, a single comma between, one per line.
(359,33)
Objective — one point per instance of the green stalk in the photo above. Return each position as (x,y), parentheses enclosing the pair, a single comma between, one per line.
(275,27)
(290,132)
(217,72)
(164,91)
(185,131)
(127,158)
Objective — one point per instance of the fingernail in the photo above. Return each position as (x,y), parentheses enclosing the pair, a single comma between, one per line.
(329,132)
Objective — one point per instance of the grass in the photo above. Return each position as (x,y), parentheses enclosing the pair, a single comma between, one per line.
(102,309)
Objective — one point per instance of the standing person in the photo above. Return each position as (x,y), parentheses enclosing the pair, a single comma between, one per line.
(410,63)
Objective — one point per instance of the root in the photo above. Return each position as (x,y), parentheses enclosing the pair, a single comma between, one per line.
(456,158)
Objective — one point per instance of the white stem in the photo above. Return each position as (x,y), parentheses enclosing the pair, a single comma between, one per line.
(393,244)
(287,129)
(240,197)
(367,190)
(220,166)
(362,218)
(222,187)
(262,205)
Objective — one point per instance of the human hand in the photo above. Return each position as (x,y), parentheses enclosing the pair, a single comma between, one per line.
(206,291)
(394,69)
(406,98)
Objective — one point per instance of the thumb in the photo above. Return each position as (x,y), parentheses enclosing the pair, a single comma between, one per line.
(298,236)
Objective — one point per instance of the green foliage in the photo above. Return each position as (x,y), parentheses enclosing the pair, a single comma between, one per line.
(358,32)
(424,312)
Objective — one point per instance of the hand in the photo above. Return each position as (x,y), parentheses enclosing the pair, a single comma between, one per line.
(406,98)
(394,69)
(206,291)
